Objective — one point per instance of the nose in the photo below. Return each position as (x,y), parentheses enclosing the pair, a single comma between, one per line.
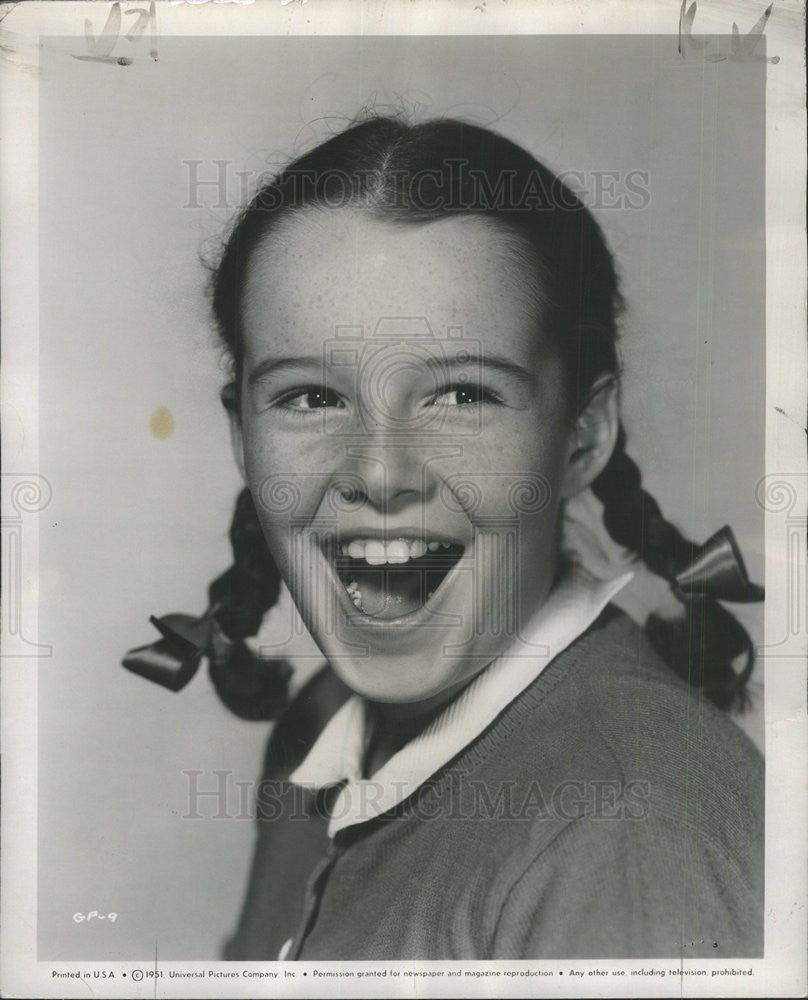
(385,472)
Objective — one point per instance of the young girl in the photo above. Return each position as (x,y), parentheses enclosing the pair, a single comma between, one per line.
(496,762)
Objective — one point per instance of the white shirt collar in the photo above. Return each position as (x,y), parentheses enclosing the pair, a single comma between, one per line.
(570,609)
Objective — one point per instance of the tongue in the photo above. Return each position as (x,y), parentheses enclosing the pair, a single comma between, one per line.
(388,591)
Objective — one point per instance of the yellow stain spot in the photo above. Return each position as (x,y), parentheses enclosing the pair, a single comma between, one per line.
(161,423)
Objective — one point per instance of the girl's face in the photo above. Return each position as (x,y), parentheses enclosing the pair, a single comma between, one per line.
(406,438)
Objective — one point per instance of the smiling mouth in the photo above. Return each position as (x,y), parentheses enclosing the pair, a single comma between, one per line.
(391,579)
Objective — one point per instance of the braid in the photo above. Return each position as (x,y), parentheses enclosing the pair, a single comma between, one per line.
(252,584)
(633,517)
(250,686)
(701,645)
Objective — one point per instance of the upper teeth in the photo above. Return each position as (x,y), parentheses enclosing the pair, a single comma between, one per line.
(376,552)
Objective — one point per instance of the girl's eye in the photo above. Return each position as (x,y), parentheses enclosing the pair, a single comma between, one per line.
(314,398)
(464,395)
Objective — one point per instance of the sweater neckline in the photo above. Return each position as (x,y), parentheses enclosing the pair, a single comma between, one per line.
(336,757)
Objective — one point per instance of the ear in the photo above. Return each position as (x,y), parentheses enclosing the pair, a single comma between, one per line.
(594,436)
(230,403)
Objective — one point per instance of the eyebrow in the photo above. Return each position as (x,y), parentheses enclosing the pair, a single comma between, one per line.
(496,362)
(274,366)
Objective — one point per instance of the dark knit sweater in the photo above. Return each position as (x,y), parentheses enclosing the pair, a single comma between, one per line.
(608,812)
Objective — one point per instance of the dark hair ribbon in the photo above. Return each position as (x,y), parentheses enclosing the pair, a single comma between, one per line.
(253,687)
(717,570)
(174,660)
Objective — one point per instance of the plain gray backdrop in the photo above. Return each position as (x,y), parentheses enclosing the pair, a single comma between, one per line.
(137,524)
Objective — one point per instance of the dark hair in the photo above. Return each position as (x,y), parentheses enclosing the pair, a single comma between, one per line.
(419,173)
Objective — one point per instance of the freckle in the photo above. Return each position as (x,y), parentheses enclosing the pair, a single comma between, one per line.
(161,423)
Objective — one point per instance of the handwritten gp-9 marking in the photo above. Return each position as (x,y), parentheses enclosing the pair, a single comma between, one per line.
(81,918)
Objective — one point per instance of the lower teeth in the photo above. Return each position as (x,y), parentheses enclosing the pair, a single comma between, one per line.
(355,594)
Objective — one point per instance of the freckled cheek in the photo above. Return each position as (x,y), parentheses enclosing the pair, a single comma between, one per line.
(524,467)
(280,523)
(524,501)
(288,480)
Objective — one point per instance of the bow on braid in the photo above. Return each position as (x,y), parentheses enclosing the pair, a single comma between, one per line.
(249,685)
(701,645)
